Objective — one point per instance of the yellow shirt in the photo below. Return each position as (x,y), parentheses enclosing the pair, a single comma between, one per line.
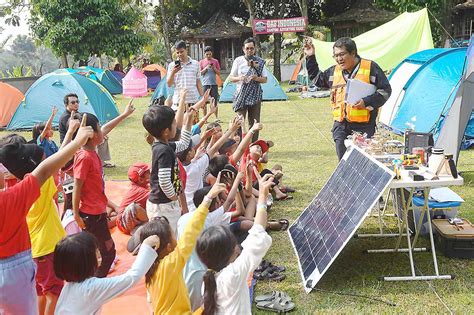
(167,288)
(43,221)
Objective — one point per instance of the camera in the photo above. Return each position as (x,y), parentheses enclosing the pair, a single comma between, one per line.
(177,63)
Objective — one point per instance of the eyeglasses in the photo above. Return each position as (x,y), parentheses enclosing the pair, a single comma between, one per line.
(249,48)
(339,55)
(74,102)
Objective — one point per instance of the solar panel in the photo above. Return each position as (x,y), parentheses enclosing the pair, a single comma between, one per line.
(327,224)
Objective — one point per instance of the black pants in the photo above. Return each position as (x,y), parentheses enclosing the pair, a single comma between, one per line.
(97,225)
(214,91)
(254,114)
(341,130)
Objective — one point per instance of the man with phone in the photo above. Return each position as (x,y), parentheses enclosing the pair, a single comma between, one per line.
(248,72)
(210,69)
(184,73)
(360,117)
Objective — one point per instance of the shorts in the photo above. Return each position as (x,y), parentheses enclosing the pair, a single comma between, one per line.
(214,91)
(127,221)
(170,210)
(17,285)
(46,280)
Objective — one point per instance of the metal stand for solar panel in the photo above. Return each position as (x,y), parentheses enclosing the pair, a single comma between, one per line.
(380,214)
(405,182)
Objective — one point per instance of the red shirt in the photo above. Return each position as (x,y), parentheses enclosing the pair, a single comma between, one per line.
(15,203)
(136,193)
(88,168)
(203,63)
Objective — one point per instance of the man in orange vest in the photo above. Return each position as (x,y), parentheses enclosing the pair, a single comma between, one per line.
(360,117)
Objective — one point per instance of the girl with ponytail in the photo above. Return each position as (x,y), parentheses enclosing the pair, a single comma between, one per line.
(164,280)
(225,282)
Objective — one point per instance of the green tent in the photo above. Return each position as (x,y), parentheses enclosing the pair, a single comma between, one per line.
(389,44)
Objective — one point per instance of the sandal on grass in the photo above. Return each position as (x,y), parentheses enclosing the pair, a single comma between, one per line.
(272,296)
(283,225)
(285,197)
(287,189)
(268,274)
(278,305)
(263,265)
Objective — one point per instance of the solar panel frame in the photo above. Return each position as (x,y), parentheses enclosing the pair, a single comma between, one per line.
(322,251)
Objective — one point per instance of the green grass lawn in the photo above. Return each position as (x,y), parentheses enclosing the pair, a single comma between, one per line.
(303,145)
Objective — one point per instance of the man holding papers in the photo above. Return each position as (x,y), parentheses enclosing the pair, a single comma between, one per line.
(358,88)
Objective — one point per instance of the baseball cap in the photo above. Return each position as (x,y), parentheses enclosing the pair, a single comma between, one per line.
(262,145)
(21,159)
(137,170)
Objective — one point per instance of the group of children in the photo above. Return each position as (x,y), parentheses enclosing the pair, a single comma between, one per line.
(186,214)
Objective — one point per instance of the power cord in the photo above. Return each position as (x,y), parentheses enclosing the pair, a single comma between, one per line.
(367,297)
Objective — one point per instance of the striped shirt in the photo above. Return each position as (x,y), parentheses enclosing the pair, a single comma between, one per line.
(164,179)
(186,78)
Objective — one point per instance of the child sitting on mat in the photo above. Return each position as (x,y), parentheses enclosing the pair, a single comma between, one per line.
(164,280)
(83,293)
(132,210)
(225,282)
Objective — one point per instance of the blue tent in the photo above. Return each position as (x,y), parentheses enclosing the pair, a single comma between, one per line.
(424,86)
(162,91)
(49,91)
(118,75)
(272,90)
(104,77)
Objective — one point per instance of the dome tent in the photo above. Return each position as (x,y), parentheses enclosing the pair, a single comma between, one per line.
(49,91)
(104,77)
(9,101)
(272,90)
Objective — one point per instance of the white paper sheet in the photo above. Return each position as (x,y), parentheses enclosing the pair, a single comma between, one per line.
(444,194)
(357,90)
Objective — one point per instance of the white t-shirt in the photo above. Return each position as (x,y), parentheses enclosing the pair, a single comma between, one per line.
(233,295)
(194,176)
(186,78)
(88,296)
(241,67)
(195,269)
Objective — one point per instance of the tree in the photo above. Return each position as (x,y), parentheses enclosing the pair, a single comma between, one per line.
(88,27)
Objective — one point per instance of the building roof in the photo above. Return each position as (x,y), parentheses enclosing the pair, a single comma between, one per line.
(468,5)
(219,26)
(363,11)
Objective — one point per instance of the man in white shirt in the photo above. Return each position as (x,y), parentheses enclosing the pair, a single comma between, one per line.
(248,73)
(184,73)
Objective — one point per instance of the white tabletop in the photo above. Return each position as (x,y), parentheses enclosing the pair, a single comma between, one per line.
(443,181)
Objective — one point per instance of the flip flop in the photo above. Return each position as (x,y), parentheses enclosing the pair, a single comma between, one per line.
(287,197)
(278,305)
(287,189)
(272,296)
(263,265)
(284,224)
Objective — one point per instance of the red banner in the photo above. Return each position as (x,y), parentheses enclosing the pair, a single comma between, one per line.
(292,25)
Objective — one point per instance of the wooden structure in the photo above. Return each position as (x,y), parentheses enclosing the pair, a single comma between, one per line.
(360,18)
(463,20)
(223,34)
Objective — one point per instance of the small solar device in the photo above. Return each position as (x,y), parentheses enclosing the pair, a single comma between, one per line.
(417,139)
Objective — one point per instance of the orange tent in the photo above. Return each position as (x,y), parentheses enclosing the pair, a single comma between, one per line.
(9,101)
(294,77)
(155,67)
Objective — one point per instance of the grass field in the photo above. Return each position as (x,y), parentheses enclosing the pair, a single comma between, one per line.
(303,145)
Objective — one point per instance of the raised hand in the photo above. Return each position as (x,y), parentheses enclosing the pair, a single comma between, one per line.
(129,109)
(256,126)
(217,188)
(85,132)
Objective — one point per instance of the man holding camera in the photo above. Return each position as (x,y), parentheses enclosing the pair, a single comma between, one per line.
(248,72)
(184,73)
(361,116)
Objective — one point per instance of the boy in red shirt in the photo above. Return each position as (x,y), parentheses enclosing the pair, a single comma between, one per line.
(132,210)
(17,269)
(89,203)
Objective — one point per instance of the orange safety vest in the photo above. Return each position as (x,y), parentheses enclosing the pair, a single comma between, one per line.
(338,91)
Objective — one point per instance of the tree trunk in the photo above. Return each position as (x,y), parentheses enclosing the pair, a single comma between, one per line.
(166,37)
(303,5)
(64,61)
(250,6)
(277,37)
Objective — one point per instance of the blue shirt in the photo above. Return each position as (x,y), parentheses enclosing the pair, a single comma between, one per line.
(49,146)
